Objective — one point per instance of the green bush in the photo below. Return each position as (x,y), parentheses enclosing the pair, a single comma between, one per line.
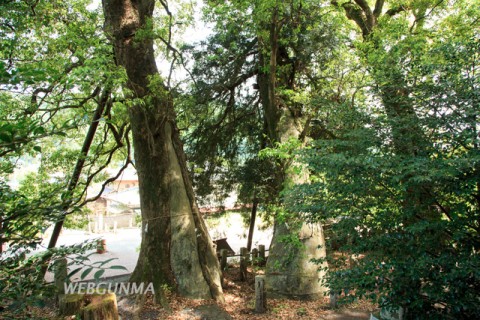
(406,221)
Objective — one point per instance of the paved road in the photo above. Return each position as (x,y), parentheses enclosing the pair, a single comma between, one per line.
(125,244)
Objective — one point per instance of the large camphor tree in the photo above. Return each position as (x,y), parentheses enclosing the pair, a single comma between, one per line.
(290,271)
(256,75)
(176,249)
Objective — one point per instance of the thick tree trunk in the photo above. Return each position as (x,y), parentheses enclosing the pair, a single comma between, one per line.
(290,271)
(407,135)
(176,249)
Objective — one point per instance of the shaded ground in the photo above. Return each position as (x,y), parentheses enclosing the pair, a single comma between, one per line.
(239,304)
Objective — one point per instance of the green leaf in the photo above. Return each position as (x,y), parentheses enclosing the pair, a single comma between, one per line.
(5,137)
(39,130)
(74,272)
(82,258)
(106,261)
(85,273)
(98,274)
(119,267)
(37,148)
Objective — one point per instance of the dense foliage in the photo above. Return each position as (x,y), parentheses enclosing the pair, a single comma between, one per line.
(402,192)
(55,72)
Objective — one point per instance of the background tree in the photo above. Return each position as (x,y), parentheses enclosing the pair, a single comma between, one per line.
(48,95)
(403,184)
(268,57)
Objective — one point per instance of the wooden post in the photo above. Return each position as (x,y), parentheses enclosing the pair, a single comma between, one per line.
(243,263)
(255,257)
(253,216)
(70,304)
(260,296)
(223,265)
(261,255)
(60,274)
(333,300)
(223,260)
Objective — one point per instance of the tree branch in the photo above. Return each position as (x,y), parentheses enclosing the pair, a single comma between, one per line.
(80,163)
(355,14)
(106,182)
(370,19)
(393,11)
(378,8)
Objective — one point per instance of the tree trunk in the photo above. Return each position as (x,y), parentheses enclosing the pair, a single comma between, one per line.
(89,306)
(1,234)
(289,271)
(77,171)
(407,135)
(176,249)
(251,227)
(101,307)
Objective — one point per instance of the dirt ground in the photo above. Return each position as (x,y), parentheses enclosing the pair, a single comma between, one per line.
(239,304)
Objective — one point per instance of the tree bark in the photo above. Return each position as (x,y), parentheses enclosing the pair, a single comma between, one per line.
(289,270)
(176,249)
(408,138)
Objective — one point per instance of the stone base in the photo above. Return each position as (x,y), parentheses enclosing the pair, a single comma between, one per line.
(89,306)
